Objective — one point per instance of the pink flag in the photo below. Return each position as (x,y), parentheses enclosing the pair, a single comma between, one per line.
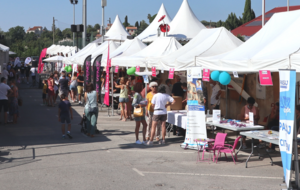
(205,76)
(265,78)
(41,64)
(153,71)
(106,96)
(171,73)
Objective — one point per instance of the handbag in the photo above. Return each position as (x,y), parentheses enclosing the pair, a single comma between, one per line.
(138,112)
(90,109)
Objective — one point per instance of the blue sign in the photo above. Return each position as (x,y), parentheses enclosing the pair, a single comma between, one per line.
(287,116)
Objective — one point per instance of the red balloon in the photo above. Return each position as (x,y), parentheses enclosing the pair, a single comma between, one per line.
(164,28)
(161,18)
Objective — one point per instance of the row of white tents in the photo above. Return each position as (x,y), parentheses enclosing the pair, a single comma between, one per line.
(273,47)
(54,49)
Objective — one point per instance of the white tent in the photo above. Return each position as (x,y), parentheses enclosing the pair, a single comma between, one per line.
(271,48)
(160,47)
(103,50)
(4,48)
(51,48)
(82,53)
(57,58)
(151,30)
(208,42)
(129,47)
(117,31)
(185,24)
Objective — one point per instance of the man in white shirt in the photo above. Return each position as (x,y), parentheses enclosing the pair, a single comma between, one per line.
(168,86)
(33,77)
(215,95)
(160,103)
(5,90)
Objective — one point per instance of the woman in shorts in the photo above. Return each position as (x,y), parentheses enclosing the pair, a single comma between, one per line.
(73,87)
(123,99)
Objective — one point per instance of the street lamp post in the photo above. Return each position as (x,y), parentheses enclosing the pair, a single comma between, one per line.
(103,4)
(74,2)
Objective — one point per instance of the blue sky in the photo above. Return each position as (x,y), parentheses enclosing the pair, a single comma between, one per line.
(29,13)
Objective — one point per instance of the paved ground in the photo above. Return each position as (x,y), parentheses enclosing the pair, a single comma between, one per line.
(34,156)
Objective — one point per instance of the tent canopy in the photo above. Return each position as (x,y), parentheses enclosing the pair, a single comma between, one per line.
(160,47)
(185,24)
(54,49)
(4,48)
(117,31)
(103,50)
(208,42)
(129,47)
(57,58)
(269,49)
(151,30)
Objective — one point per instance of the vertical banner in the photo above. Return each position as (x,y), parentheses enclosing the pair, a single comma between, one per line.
(87,71)
(206,73)
(265,78)
(137,69)
(106,96)
(98,79)
(171,73)
(153,71)
(116,68)
(287,116)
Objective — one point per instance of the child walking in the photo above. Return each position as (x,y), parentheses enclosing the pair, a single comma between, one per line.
(63,115)
(45,87)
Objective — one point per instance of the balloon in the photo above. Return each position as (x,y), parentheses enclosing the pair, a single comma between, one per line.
(224,78)
(131,71)
(215,75)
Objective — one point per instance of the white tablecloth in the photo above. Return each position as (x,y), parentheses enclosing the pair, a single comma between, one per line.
(178,118)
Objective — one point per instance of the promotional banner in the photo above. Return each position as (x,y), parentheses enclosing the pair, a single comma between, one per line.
(265,78)
(153,71)
(171,73)
(206,73)
(116,68)
(287,116)
(106,96)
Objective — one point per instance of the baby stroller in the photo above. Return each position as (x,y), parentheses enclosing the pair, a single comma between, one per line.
(84,126)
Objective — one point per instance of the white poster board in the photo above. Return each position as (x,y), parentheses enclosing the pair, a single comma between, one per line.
(251,119)
(216,116)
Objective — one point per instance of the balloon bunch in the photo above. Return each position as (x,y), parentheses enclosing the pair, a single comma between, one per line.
(68,68)
(223,77)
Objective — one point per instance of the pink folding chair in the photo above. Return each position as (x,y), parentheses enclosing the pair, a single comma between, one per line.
(219,144)
(229,149)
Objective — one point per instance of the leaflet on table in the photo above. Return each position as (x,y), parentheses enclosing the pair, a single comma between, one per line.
(216,116)
(251,119)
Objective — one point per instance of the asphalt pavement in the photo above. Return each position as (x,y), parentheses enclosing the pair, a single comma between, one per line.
(34,156)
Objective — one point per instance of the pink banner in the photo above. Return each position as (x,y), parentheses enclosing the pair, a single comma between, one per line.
(98,65)
(265,78)
(106,97)
(87,71)
(117,69)
(137,69)
(41,64)
(153,71)
(171,73)
(205,76)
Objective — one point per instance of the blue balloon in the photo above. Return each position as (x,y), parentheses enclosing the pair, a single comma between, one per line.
(224,78)
(215,75)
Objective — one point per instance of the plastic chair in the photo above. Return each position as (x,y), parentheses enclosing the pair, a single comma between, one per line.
(229,149)
(219,144)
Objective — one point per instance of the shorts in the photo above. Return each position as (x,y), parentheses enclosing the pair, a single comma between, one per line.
(80,89)
(139,118)
(123,100)
(159,117)
(73,88)
(44,96)
(4,104)
(33,77)
(65,119)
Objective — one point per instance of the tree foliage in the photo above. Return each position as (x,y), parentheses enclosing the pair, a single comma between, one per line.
(125,24)
(151,18)
(248,14)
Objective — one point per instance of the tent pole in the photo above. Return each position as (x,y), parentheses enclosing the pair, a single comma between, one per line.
(263,12)
(226,116)
(288,5)
(112,91)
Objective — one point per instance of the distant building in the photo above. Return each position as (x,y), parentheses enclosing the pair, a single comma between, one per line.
(131,30)
(250,28)
(98,36)
(37,30)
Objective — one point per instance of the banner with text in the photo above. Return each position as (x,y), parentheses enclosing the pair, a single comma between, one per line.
(287,116)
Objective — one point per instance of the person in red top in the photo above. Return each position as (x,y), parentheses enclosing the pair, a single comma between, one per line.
(51,89)
(139,79)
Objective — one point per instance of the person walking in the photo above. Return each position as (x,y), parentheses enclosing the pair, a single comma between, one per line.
(160,102)
(5,91)
(123,99)
(64,85)
(45,89)
(11,75)
(33,75)
(64,112)
(80,81)
(91,108)
(51,90)
(22,70)
(56,83)
(13,102)
(149,111)
(5,73)
(27,72)
(73,87)
(137,103)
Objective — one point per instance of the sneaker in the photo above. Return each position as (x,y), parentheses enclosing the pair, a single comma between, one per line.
(69,135)
(144,142)
(261,145)
(149,143)
(138,142)
(161,142)
(270,150)
(244,146)
(64,136)
(79,102)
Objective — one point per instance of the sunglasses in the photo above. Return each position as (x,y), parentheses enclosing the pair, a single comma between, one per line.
(154,86)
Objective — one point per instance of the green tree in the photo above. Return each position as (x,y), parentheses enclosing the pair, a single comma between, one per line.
(219,23)
(29,37)
(125,24)
(232,22)
(137,24)
(241,37)
(16,33)
(151,18)
(97,27)
(67,33)
(248,14)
